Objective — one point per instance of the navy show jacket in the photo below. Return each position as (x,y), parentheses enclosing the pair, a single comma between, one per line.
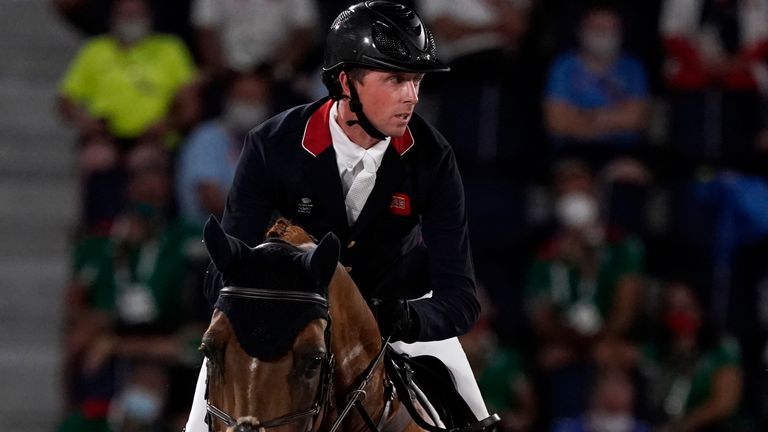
(411,236)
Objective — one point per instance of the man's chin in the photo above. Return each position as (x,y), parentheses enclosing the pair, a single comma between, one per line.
(396,131)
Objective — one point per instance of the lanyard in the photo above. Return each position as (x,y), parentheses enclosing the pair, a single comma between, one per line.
(561,286)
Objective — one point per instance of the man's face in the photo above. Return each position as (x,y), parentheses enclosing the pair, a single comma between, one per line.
(131,20)
(247,104)
(389,99)
(601,33)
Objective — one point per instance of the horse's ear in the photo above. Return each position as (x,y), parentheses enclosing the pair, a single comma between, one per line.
(323,259)
(222,248)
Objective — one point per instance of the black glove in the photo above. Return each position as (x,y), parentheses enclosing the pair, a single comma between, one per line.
(397,319)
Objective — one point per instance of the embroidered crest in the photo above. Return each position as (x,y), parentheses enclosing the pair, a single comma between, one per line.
(400,204)
(305,206)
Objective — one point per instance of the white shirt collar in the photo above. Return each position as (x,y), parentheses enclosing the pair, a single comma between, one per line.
(349,154)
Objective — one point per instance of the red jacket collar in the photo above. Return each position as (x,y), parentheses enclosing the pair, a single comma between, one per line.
(317,133)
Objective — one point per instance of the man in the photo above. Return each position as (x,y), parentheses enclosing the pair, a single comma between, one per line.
(596,100)
(208,158)
(584,290)
(125,83)
(240,35)
(362,165)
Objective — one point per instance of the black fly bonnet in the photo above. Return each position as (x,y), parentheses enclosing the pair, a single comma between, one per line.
(267,323)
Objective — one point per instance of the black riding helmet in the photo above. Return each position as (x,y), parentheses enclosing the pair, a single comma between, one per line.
(380,35)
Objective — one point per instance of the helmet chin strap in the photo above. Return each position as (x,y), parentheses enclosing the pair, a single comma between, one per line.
(357,107)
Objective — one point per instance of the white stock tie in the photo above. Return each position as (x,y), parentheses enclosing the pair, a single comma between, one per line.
(360,189)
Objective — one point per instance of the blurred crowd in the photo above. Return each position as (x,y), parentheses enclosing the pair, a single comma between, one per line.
(615,162)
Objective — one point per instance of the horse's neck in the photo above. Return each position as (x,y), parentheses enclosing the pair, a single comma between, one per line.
(356,343)
(356,339)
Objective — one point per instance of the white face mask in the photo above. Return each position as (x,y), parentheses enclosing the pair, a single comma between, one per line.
(602,45)
(611,423)
(141,404)
(576,210)
(132,30)
(243,116)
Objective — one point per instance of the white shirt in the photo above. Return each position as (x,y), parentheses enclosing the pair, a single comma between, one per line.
(250,29)
(470,12)
(348,154)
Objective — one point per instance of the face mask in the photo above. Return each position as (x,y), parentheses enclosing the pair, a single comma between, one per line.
(682,323)
(242,117)
(611,423)
(132,30)
(576,210)
(142,405)
(600,44)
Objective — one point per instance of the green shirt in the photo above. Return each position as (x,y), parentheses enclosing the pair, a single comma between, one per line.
(691,384)
(130,88)
(554,281)
(78,423)
(501,379)
(159,267)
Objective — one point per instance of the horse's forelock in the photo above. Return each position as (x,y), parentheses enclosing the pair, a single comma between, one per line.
(294,234)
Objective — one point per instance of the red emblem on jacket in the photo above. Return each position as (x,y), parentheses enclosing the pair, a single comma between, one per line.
(400,205)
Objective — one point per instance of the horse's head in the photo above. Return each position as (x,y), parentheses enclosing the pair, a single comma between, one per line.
(268,344)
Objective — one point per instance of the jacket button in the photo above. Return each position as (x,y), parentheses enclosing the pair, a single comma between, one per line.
(351,244)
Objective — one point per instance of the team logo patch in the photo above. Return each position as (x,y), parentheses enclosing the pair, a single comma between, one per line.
(400,204)
(305,206)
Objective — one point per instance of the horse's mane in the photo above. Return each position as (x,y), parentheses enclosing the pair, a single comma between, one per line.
(286,230)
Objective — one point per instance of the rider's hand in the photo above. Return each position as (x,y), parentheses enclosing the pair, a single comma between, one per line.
(396,319)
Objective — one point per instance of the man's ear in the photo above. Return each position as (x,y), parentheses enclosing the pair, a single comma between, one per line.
(344,82)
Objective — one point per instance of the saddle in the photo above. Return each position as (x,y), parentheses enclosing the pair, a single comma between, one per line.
(427,381)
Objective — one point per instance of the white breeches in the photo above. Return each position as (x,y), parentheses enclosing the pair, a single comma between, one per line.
(448,350)
(452,354)
(196,421)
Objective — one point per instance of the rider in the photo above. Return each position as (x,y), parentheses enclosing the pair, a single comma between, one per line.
(405,242)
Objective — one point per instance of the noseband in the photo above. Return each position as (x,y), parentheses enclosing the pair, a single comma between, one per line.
(326,373)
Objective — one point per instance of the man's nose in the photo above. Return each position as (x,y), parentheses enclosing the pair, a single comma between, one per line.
(411,92)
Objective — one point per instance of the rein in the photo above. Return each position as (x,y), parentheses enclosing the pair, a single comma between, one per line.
(358,395)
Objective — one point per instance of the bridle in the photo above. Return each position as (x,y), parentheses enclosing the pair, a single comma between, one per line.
(326,372)
(356,396)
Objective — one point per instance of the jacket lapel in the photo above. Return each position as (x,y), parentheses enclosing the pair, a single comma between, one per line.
(322,173)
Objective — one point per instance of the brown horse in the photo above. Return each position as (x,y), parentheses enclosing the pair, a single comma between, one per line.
(287,310)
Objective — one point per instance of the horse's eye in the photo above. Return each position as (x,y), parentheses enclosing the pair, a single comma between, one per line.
(317,362)
(211,350)
(203,348)
(314,364)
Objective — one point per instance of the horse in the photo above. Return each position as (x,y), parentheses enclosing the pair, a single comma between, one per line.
(292,344)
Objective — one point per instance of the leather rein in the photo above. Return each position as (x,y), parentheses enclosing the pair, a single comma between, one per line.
(322,400)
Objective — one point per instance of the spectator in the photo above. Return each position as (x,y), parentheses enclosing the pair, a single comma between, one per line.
(714,52)
(694,374)
(126,298)
(584,289)
(208,158)
(123,88)
(92,16)
(228,39)
(612,407)
(139,405)
(124,83)
(596,101)
(478,40)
